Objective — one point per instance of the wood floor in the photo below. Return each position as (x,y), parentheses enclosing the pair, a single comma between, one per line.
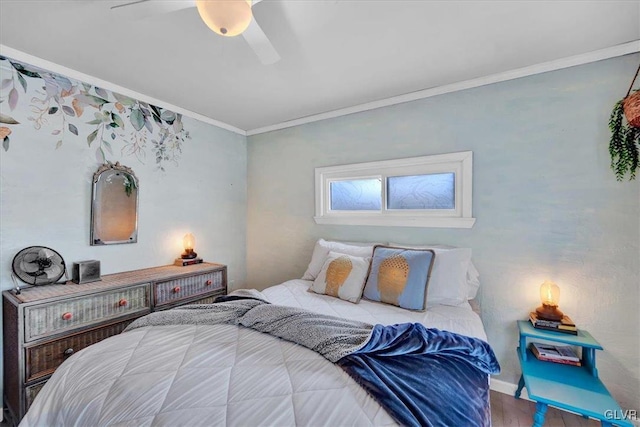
(506,411)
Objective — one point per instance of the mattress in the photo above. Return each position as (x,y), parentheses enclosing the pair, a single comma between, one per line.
(224,374)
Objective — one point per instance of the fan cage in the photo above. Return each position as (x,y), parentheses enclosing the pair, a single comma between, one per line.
(40,275)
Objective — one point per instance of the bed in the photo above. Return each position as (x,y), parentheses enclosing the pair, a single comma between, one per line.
(180,367)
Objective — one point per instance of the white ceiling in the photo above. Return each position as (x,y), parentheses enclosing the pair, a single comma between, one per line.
(335,53)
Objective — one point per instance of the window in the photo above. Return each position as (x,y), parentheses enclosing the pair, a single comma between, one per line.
(429,191)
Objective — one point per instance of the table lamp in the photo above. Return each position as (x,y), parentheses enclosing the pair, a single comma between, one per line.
(189,257)
(189,241)
(550,297)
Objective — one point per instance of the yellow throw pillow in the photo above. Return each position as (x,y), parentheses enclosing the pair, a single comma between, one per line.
(342,276)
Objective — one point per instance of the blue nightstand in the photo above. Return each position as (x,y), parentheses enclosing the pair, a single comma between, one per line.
(573,388)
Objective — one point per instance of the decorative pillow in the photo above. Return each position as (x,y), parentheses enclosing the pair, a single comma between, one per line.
(322,249)
(452,282)
(399,276)
(342,276)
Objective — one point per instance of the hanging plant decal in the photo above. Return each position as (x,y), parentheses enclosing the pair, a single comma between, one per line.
(624,124)
(129,184)
(117,121)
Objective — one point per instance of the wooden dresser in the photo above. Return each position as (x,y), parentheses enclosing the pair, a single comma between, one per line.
(44,325)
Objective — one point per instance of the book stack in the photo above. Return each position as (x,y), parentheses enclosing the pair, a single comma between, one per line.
(565,325)
(180,262)
(555,353)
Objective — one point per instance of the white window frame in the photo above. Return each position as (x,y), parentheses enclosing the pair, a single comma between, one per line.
(461,164)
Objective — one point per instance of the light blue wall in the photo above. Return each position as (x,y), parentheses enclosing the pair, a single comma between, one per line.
(547,204)
(45,193)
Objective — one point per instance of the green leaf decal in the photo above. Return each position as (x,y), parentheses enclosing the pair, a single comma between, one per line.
(53,110)
(8,120)
(168,116)
(26,70)
(91,100)
(155,110)
(68,111)
(59,144)
(30,74)
(73,129)
(95,122)
(5,143)
(137,119)
(124,100)
(117,120)
(23,82)
(92,137)
(103,93)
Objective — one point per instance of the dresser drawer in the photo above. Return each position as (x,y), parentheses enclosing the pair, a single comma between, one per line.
(31,392)
(48,319)
(42,360)
(188,287)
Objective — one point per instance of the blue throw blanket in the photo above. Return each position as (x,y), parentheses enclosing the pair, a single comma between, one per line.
(425,377)
(420,376)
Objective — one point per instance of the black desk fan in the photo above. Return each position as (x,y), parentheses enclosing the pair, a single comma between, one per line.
(38,265)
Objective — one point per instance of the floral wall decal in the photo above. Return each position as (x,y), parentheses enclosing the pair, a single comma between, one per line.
(62,105)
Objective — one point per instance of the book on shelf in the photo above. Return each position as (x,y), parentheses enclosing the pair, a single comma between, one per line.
(554,352)
(561,361)
(554,329)
(566,324)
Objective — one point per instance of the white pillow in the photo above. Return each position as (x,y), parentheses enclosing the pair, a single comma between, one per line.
(322,249)
(473,281)
(342,276)
(448,284)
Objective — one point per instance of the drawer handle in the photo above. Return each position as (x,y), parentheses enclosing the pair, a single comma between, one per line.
(176,289)
(123,302)
(68,352)
(67,316)
(208,282)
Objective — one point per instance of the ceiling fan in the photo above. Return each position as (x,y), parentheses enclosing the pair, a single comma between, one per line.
(225,17)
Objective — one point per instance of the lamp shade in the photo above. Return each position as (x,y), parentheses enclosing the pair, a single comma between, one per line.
(189,242)
(550,297)
(225,17)
(549,293)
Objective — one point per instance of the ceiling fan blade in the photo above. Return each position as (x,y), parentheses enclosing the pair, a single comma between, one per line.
(260,44)
(146,8)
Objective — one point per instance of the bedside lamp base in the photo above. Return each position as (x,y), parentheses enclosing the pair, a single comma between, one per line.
(549,312)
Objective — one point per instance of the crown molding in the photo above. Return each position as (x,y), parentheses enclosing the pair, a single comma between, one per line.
(77,75)
(571,61)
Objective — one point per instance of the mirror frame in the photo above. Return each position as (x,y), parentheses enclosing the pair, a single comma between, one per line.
(95,240)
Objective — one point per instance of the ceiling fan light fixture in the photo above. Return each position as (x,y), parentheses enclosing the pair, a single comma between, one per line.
(225,17)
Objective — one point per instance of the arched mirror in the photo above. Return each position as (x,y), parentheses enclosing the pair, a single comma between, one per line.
(114,205)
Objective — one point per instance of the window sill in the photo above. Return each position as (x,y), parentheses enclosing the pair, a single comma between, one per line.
(404,221)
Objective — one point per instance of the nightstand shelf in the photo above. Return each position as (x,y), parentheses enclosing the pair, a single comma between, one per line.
(573,388)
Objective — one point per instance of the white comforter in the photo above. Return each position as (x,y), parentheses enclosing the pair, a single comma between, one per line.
(223,374)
